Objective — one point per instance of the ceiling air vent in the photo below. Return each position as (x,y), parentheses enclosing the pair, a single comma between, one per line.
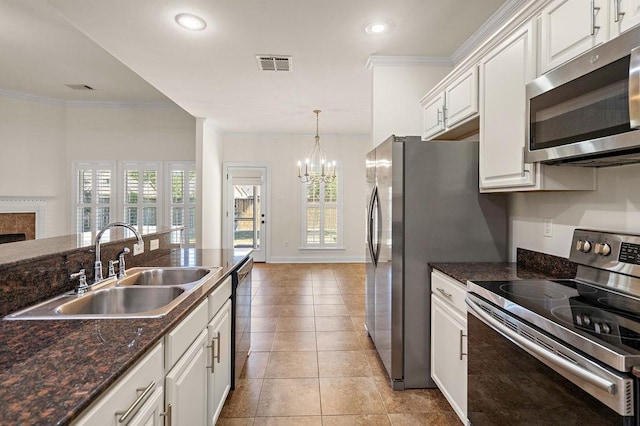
(79,87)
(274,63)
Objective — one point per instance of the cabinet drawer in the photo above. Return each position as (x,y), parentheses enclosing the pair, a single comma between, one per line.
(219,296)
(449,290)
(178,340)
(147,375)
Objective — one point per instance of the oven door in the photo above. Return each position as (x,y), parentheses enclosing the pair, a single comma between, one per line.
(518,375)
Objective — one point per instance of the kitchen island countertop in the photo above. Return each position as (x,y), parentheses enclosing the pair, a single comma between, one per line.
(50,371)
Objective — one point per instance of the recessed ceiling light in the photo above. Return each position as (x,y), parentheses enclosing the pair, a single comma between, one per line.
(191,22)
(377,27)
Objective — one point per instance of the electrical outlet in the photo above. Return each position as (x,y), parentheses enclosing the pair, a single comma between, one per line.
(154,244)
(286,243)
(138,249)
(548,228)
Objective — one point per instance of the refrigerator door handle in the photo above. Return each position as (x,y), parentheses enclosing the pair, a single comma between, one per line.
(378,230)
(370,225)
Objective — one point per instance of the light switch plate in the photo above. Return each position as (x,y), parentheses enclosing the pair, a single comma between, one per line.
(138,249)
(154,244)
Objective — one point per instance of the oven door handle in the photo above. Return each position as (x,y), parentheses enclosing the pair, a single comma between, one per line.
(546,355)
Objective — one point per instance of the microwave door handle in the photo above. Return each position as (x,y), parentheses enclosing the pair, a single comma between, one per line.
(634,88)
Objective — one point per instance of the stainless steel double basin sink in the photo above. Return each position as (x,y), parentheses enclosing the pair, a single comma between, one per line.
(144,293)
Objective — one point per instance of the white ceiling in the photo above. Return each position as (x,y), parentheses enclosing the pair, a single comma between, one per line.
(214,73)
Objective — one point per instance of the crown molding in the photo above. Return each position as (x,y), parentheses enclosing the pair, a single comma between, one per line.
(85,104)
(488,28)
(434,61)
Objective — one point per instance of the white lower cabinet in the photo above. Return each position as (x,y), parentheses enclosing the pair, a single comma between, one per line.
(186,386)
(219,383)
(135,399)
(196,357)
(448,341)
(199,382)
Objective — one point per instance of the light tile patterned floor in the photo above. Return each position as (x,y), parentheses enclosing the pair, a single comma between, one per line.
(312,362)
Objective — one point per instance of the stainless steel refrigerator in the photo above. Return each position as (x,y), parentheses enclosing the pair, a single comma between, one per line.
(423,206)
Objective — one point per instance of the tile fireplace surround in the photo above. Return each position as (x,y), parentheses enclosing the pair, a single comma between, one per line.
(18,223)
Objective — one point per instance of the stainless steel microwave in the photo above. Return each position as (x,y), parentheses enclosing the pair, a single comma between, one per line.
(587,111)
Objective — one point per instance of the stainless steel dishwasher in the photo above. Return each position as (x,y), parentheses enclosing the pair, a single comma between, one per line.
(241,337)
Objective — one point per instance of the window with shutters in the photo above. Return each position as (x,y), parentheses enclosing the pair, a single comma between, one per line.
(141,196)
(138,194)
(182,200)
(94,189)
(322,215)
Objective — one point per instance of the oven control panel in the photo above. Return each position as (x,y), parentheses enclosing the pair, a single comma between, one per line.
(606,250)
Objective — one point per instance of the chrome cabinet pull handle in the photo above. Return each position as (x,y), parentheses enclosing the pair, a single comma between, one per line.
(461,347)
(133,409)
(439,118)
(167,415)
(218,350)
(617,13)
(444,293)
(594,12)
(215,354)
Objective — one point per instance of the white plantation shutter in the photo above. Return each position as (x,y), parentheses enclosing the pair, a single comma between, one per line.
(322,215)
(181,190)
(94,189)
(141,195)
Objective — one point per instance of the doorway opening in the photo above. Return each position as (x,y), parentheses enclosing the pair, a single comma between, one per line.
(246,207)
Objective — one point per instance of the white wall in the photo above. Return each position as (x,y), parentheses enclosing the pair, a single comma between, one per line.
(614,206)
(282,152)
(209,143)
(32,137)
(128,133)
(397,90)
(41,138)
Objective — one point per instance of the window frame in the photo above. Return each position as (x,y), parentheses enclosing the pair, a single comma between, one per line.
(187,167)
(338,245)
(117,202)
(87,236)
(141,166)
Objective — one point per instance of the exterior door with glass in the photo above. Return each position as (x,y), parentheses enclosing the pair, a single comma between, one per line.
(246,209)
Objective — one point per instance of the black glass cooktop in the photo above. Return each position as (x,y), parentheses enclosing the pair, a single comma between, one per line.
(591,312)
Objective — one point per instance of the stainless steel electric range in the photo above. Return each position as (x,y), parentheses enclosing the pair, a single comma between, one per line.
(559,351)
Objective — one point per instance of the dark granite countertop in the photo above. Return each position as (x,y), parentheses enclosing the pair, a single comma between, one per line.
(52,370)
(488,271)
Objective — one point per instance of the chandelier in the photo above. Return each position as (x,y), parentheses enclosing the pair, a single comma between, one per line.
(316,167)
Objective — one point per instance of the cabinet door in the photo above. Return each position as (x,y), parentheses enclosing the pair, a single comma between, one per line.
(150,412)
(186,385)
(503,74)
(433,116)
(136,392)
(219,374)
(569,28)
(448,355)
(625,14)
(461,98)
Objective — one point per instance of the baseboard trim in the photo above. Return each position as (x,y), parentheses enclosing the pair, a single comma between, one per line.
(316,259)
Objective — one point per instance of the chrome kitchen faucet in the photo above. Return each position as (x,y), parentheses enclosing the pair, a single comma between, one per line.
(98,264)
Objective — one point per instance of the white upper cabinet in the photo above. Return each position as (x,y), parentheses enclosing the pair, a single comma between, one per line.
(625,14)
(504,72)
(569,28)
(446,109)
(432,116)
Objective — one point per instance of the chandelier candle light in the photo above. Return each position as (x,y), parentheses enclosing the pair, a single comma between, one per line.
(316,167)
